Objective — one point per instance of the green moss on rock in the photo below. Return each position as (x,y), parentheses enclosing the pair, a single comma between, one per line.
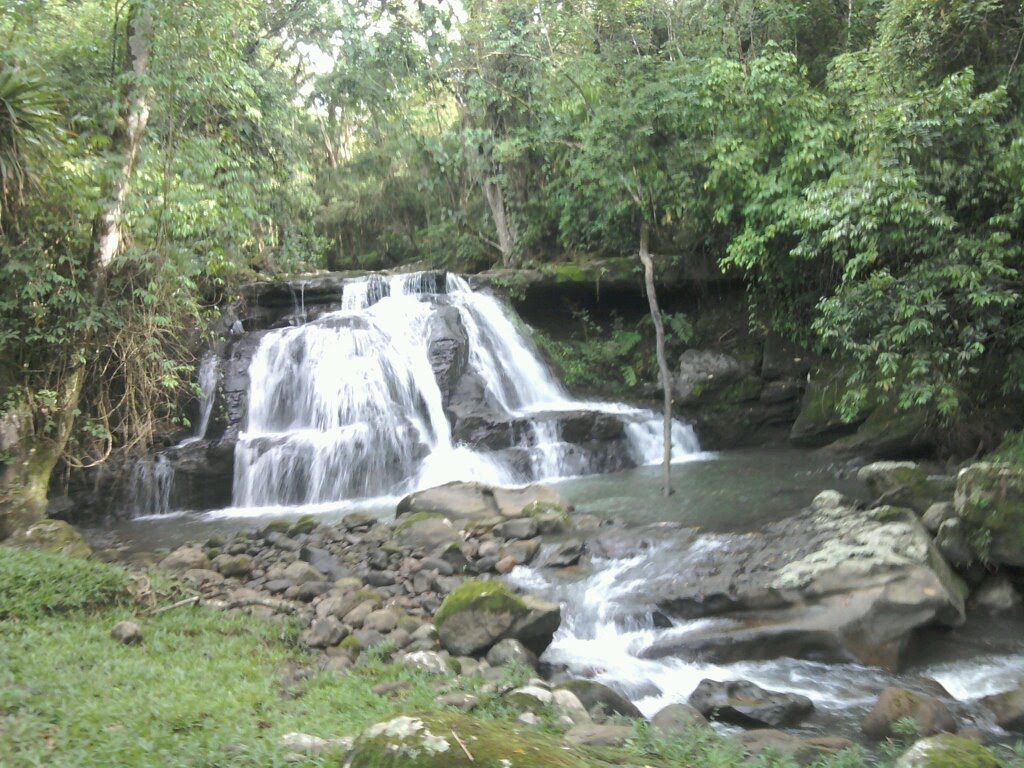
(948,751)
(433,741)
(990,500)
(485,595)
(416,517)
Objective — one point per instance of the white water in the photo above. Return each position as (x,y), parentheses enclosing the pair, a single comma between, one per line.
(347,407)
(607,624)
(209,375)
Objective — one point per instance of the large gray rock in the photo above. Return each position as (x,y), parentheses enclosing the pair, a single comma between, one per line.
(832,583)
(1008,708)
(479,613)
(447,349)
(600,700)
(742,703)
(900,483)
(706,374)
(186,558)
(426,533)
(678,718)
(461,501)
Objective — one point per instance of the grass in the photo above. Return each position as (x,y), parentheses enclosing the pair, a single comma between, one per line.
(208,689)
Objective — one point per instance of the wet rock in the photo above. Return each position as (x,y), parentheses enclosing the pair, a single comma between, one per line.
(356,521)
(522,551)
(518,528)
(506,564)
(127,633)
(1008,708)
(894,704)
(461,501)
(185,559)
(600,700)
(304,525)
(820,420)
(567,553)
(511,651)
(678,718)
(742,703)
(834,583)
(477,614)
(947,750)
(901,483)
(800,750)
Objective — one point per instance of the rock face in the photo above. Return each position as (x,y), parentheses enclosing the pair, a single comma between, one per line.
(834,583)
(742,703)
(479,613)
(460,501)
(990,500)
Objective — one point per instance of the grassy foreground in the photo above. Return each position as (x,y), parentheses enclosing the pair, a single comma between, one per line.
(210,689)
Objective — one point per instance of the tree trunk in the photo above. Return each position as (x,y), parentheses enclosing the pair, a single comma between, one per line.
(496,203)
(666,381)
(126,141)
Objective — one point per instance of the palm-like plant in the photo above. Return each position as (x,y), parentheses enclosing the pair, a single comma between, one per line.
(28,127)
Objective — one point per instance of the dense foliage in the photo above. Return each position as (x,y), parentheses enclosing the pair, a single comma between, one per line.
(858,164)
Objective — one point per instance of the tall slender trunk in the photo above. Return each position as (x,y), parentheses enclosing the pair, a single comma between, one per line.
(666,381)
(496,203)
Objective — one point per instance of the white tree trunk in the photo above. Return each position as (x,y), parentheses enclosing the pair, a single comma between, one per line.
(666,380)
(496,203)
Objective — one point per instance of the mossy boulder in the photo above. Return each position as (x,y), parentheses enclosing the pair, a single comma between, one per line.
(820,419)
(453,740)
(990,500)
(894,704)
(1008,708)
(480,612)
(55,536)
(888,434)
(902,484)
(948,751)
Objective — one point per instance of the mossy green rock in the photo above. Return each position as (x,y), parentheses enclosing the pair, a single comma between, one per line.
(948,751)
(451,740)
(820,420)
(990,499)
(479,613)
(903,484)
(55,536)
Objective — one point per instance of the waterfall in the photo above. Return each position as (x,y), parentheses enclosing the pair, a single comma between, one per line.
(348,406)
(149,487)
(209,375)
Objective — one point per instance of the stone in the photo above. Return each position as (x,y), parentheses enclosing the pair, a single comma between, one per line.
(201,576)
(947,750)
(599,700)
(355,521)
(569,705)
(1008,708)
(324,562)
(990,500)
(529,697)
(506,564)
(299,572)
(528,718)
(833,583)
(127,633)
(517,528)
(462,501)
(678,718)
(57,536)
(802,751)
(465,702)
(308,591)
(325,633)
(305,744)
(894,704)
(232,565)
(453,740)
(951,541)
(901,483)
(428,661)
(743,703)
(820,420)
(185,559)
(599,735)
(937,514)
(425,533)
(706,375)
(521,550)
(996,595)
(383,620)
(276,586)
(511,651)
(304,525)
(565,554)
(479,613)
(357,615)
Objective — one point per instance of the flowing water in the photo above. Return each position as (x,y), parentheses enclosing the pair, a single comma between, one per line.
(345,413)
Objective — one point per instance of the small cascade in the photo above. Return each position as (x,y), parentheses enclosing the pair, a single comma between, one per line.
(348,407)
(209,375)
(149,487)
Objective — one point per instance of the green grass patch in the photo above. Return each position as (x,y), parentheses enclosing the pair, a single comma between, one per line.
(34,583)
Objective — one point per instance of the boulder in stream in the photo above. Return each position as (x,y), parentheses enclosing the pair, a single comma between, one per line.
(833,583)
(742,703)
(461,501)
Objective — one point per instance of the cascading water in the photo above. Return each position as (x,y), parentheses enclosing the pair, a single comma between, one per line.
(348,407)
(209,373)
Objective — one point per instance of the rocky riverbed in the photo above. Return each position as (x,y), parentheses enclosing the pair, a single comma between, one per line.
(841,581)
